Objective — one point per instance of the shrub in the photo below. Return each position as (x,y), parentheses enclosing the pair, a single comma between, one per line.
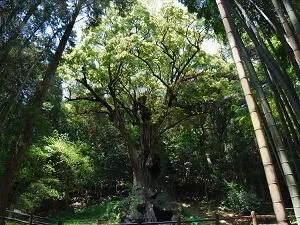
(240,200)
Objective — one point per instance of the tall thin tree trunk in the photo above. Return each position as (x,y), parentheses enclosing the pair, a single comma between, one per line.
(276,197)
(8,46)
(290,134)
(9,18)
(294,122)
(287,49)
(7,105)
(291,118)
(281,78)
(293,17)
(26,132)
(291,37)
(280,148)
(282,37)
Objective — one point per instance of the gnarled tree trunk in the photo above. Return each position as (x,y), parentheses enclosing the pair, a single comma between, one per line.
(145,166)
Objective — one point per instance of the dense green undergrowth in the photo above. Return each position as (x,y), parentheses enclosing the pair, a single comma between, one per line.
(107,212)
(110,212)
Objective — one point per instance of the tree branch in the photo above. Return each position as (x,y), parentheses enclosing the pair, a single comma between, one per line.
(172,56)
(176,123)
(93,111)
(92,91)
(81,98)
(186,64)
(150,68)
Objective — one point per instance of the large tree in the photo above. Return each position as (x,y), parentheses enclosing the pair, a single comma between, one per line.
(137,70)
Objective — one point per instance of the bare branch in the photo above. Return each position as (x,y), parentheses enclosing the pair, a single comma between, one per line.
(133,98)
(92,91)
(81,98)
(166,50)
(186,64)
(151,69)
(172,56)
(113,91)
(176,123)
(187,36)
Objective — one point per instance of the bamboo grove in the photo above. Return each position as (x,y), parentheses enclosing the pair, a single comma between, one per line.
(250,27)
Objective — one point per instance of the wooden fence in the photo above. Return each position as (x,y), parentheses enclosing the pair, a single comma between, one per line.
(217,219)
(253,219)
(24,218)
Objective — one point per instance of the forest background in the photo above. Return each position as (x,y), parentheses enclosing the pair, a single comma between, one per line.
(134,116)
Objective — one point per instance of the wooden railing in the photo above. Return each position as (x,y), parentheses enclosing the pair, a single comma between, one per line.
(25,218)
(217,219)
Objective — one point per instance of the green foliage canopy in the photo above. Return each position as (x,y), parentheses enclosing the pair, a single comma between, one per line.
(142,59)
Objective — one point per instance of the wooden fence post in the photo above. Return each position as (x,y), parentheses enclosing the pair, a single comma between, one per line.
(179,220)
(31,219)
(254,219)
(217,218)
